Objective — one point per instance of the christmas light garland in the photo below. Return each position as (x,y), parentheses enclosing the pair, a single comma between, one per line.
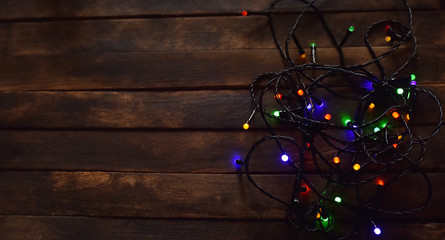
(374,146)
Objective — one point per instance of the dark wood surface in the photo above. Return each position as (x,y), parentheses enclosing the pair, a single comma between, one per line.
(122,119)
(23,9)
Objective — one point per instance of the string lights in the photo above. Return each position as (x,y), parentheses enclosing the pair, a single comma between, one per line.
(361,116)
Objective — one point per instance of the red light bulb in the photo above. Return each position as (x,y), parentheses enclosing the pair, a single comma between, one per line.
(244,13)
(381,183)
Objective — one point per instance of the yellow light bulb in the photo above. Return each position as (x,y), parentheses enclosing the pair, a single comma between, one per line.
(356,167)
(371,106)
(388,39)
(246,126)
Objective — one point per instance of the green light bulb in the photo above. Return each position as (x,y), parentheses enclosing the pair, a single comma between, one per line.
(376,129)
(276,113)
(347,121)
(413,77)
(400,91)
(351,28)
(337,199)
(313,45)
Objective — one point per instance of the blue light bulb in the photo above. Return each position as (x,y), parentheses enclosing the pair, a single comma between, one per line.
(377,231)
(284,158)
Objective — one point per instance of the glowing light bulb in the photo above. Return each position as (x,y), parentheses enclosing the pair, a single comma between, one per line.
(284,158)
(313,45)
(318,215)
(399,137)
(413,83)
(395,115)
(371,106)
(377,231)
(246,126)
(387,28)
(337,199)
(347,121)
(381,183)
(351,28)
(336,160)
(388,39)
(309,106)
(278,96)
(244,13)
(327,116)
(400,91)
(276,113)
(356,167)
(413,77)
(394,145)
(408,117)
(303,56)
(300,92)
(376,129)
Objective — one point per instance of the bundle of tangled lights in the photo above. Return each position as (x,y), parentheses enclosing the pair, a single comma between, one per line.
(361,119)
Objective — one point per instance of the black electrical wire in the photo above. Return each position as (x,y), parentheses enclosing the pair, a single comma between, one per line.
(387,151)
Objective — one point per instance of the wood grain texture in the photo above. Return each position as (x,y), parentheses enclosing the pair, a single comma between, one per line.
(209,109)
(181,34)
(22,9)
(176,70)
(122,119)
(220,196)
(160,151)
(87,228)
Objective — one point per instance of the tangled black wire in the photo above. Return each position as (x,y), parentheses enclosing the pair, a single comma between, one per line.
(377,144)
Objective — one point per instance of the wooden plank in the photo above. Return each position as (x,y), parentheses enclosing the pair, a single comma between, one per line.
(21,9)
(209,109)
(160,151)
(194,34)
(206,69)
(220,196)
(74,228)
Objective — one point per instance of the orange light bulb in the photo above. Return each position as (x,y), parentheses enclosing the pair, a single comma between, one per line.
(395,115)
(300,92)
(279,96)
(303,56)
(388,39)
(371,106)
(336,160)
(327,116)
